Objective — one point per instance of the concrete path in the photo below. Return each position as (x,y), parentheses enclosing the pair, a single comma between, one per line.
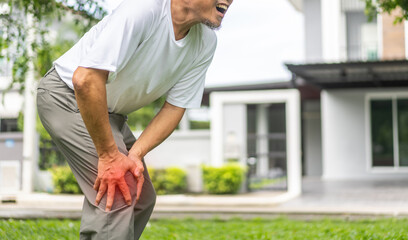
(320,199)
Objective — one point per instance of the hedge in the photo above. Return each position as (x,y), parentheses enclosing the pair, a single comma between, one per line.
(64,180)
(223,180)
(165,181)
(168,181)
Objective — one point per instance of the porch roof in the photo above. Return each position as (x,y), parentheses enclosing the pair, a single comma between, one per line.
(353,74)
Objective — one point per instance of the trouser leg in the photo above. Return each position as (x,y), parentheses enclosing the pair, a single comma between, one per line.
(60,116)
(144,208)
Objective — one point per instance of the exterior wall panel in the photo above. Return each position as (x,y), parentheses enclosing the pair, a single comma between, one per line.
(313,30)
(344,136)
(181,149)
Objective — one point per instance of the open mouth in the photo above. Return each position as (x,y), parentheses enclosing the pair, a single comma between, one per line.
(221,8)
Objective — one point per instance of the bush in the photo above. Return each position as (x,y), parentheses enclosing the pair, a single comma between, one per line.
(168,181)
(64,180)
(223,180)
(199,125)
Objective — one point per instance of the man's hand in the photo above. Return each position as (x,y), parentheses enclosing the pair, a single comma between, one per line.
(111,173)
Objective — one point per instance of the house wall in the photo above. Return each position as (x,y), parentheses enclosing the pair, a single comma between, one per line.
(313,30)
(235,132)
(344,135)
(182,149)
(393,37)
(11,146)
(333,35)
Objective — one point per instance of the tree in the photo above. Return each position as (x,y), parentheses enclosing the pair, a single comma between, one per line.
(14,45)
(14,29)
(13,41)
(373,7)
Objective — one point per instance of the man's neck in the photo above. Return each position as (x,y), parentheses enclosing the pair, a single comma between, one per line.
(182,18)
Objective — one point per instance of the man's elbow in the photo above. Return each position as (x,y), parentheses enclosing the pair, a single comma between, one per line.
(80,79)
(84,78)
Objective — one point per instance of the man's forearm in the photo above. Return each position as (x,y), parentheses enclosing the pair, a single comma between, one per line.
(161,126)
(90,93)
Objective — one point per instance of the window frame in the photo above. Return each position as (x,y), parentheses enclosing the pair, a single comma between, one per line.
(393,96)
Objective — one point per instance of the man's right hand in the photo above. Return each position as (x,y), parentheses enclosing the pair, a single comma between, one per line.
(111,173)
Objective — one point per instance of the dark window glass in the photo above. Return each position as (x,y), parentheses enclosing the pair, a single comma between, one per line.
(403,131)
(277,136)
(251,129)
(8,125)
(382,133)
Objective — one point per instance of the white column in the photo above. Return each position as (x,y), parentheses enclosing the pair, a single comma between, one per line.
(293,143)
(262,147)
(29,142)
(331,29)
(217,144)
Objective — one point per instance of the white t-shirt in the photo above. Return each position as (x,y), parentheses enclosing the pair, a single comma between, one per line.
(136,44)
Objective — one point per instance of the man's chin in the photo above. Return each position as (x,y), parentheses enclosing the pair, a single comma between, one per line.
(213,26)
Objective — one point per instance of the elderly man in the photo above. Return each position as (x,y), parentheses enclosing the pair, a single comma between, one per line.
(143,50)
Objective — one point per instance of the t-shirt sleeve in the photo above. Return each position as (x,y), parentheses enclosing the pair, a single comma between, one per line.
(119,36)
(188,92)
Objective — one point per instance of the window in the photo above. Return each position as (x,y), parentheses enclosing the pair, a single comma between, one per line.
(362,40)
(389,132)
(8,125)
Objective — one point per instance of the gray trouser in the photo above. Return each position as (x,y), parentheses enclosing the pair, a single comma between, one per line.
(60,116)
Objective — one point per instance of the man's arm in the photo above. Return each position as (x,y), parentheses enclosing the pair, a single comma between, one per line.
(90,93)
(161,126)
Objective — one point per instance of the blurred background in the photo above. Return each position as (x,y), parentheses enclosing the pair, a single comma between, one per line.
(301,94)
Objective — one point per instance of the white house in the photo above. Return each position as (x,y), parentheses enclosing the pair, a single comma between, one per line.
(341,116)
(359,67)
(352,90)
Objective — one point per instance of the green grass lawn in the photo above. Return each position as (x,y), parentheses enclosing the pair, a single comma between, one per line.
(218,229)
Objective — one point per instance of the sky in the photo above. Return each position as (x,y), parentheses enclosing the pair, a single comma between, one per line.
(256,38)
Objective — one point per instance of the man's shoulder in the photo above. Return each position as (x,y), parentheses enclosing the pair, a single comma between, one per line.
(139,8)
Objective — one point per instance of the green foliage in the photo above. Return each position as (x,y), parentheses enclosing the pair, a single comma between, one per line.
(237,229)
(38,229)
(46,54)
(49,155)
(223,180)
(139,119)
(38,126)
(64,180)
(265,182)
(15,29)
(199,125)
(374,7)
(168,181)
